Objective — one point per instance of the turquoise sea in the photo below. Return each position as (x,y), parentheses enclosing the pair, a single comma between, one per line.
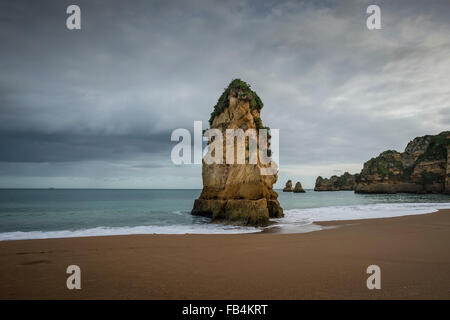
(50,213)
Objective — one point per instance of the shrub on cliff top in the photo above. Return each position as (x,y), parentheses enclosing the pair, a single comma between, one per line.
(383,163)
(437,149)
(243,90)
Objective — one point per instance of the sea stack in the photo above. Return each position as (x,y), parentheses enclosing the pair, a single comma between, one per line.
(238,193)
(298,188)
(288,187)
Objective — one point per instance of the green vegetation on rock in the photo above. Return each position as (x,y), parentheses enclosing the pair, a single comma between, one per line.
(344,182)
(243,91)
(430,178)
(437,149)
(383,164)
(422,167)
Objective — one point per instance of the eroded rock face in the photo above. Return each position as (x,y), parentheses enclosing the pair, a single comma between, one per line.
(298,188)
(346,181)
(237,193)
(422,168)
(288,186)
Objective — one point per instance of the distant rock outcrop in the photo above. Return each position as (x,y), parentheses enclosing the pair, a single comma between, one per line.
(346,181)
(237,193)
(422,168)
(288,187)
(298,188)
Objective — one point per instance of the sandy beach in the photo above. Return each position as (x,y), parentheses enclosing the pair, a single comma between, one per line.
(413,253)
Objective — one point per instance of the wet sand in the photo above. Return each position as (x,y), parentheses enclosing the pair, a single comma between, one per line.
(413,253)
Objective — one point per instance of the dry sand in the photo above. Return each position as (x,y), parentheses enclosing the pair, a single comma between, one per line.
(412,251)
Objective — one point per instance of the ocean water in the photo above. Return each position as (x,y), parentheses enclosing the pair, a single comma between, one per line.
(56,213)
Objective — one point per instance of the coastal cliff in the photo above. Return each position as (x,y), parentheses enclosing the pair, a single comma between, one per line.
(346,181)
(237,193)
(422,168)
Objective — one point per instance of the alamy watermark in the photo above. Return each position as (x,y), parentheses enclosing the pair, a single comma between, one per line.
(74,280)
(373,22)
(374,280)
(73,21)
(251,146)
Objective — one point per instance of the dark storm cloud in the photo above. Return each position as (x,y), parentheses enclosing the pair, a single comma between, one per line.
(41,147)
(101,103)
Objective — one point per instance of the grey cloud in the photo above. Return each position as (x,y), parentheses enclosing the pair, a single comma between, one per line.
(38,147)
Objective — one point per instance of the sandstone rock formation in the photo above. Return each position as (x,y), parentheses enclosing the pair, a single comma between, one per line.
(422,168)
(288,186)
(237,193)
(346,181)
(298,188)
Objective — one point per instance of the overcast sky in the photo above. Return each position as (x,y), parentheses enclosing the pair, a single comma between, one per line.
(96,107)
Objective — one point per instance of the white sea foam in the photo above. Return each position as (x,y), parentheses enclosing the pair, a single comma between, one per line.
(301,220)
(114,231)
(295,220)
